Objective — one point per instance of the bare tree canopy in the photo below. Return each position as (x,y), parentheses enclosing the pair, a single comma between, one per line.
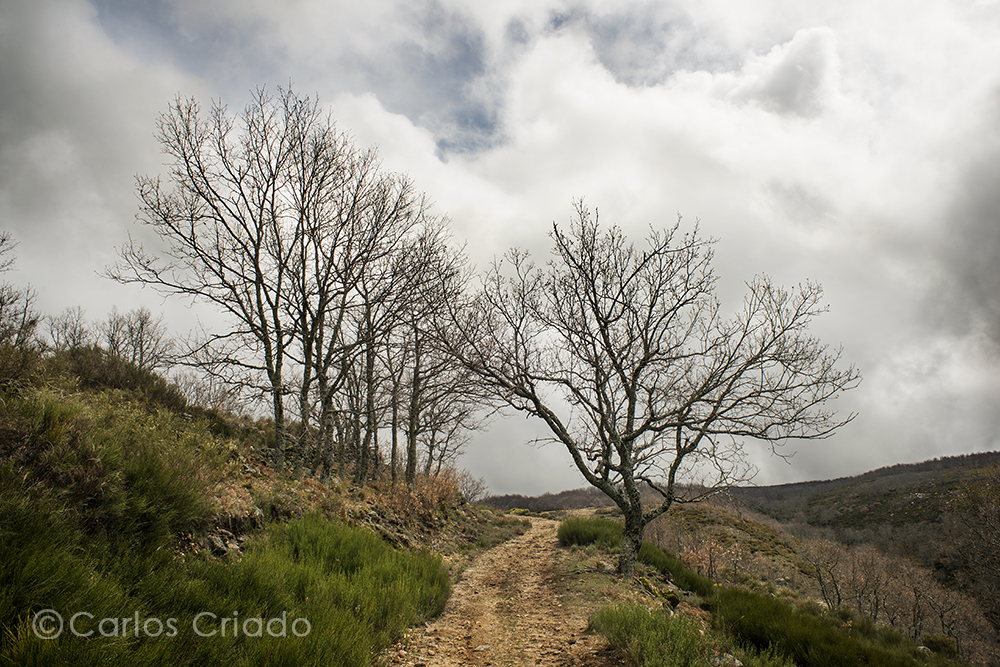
(224,223)
(70,329)
(137,337)
(624,355)
(7,247)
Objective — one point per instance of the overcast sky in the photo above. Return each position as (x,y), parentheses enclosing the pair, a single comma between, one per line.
(855,143)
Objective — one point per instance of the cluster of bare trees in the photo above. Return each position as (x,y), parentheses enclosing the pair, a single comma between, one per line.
(329,269)
(975,539)
(135,336)
(888,589)
(18,319)
(347,311)
(895,591)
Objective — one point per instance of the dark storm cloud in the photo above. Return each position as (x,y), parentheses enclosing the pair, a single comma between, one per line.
(430,78)
(845,142)
(427,71)
(232,48)
(643,45)
(968,297)
(76,120)
(54,137)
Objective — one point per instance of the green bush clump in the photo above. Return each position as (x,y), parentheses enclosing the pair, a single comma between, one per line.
(669,564)
(653,638)
(582,531)
(658,639)
(97,369)
(120,469)
(811,640)
(355,593)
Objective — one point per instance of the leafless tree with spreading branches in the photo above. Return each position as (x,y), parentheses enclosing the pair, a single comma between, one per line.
(623,354)
(137,337)
(70,329)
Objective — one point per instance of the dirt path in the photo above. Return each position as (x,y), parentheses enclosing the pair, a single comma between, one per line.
(507,610)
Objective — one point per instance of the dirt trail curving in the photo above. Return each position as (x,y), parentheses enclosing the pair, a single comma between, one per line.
(507,610)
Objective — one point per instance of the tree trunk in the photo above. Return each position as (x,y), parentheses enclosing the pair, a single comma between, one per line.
(367,457)
(414,413)
(431,446)
(279,426)
(304,440)
(394,456)
(631,541)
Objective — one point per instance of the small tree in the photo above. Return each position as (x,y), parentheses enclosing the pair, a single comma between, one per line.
(623,354)
(18,320)
(70,329)
(137,337)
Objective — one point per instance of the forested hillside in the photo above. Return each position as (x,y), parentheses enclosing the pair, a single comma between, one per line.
(942,514)
(899,494)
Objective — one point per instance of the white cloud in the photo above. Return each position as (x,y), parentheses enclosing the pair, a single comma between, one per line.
(800,77)
(76,123)
(851,143)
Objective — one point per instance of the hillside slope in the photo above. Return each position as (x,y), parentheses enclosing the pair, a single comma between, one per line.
(135,530)
(897,495)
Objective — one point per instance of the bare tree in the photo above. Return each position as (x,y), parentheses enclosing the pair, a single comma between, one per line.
(70,329)
(18,318)
(230,225)
(976,539)
(206,391)
(19,344)
(137,337)
(444,401)
(7,247)
(623,354)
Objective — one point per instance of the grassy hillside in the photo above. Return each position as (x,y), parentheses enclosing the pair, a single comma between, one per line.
(795,588)
(135,529)
(684,618)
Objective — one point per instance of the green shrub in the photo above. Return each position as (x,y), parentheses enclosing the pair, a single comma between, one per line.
(119,468)
(93,490)
(581,531)
(356,593)
(17,363)
(669,564)
(653,638)
(96,369)
(810,640)
(940,643)
(658,639)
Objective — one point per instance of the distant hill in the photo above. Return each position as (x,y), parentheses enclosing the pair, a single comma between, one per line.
(897,495)
(547,502)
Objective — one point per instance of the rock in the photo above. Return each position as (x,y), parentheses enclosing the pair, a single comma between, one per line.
(217,546)
(606,567)
(668,594)
(726,660)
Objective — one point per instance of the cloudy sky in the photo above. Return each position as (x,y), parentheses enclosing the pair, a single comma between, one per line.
(854,143)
